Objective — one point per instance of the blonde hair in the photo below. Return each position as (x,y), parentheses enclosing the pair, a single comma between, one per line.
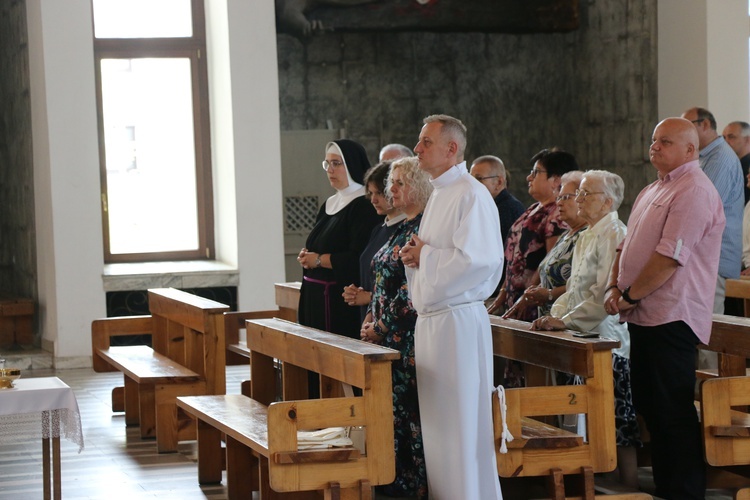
(417,179)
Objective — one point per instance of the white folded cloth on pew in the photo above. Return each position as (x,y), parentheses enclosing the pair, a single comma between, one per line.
(323,438)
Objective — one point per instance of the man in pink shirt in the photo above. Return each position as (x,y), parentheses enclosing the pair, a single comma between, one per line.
(662,283)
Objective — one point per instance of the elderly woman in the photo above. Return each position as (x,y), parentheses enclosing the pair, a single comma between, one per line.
(375,191)
(549,283)
(581,307)
(330,258)
(391,321)
(536,231)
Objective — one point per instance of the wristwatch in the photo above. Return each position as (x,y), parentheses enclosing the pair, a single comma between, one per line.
(626,297)
(317,261)
(550,298)
(376,328)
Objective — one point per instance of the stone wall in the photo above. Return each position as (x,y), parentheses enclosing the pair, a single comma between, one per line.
(592,92)
(17,238)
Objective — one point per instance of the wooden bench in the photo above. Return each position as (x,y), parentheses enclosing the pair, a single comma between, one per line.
(234,323)
(287,299)
(724,401)
(187,358)
(16,322)
(728,340)
(539,449)
(238,353)
(261,433)
(740,289)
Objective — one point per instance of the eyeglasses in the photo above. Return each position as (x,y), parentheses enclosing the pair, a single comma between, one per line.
(480,179)
(585,194)
(534,172)
(565,197)
(328,165)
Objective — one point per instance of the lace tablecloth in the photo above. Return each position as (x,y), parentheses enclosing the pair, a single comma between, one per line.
(36,408)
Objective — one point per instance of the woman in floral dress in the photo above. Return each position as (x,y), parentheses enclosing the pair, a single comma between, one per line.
(535,232)
(390,322)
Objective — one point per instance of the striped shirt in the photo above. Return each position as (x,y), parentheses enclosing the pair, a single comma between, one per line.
(721,165)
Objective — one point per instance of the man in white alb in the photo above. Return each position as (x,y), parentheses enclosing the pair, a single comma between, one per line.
(452,267)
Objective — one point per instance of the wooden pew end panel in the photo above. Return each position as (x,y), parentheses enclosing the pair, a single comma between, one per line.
(726,430)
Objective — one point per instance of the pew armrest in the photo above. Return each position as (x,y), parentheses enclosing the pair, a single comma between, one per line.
(102,331)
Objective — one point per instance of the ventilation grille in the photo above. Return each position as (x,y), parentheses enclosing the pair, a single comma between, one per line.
(300,213)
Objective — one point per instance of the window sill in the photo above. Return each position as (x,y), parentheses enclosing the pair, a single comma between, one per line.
(177,274)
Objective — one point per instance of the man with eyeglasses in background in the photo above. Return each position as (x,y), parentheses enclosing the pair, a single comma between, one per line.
(719,162)
(737,135)
(490,171)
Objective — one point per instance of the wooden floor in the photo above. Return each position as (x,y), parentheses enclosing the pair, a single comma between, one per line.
(117,464)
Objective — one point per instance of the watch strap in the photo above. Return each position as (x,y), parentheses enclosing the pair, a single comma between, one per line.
(626,297)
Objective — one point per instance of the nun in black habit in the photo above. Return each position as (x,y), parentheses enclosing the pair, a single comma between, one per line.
(342,229)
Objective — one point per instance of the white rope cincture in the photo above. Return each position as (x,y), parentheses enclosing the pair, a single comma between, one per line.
(505,435)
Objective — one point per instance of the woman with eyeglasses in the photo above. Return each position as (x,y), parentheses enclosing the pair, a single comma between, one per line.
(536,231)
(549,282)
(330,259)
(581,307)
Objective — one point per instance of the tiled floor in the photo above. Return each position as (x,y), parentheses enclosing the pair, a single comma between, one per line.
(117,464)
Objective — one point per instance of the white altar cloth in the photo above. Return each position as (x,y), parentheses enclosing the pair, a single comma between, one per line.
(35,407)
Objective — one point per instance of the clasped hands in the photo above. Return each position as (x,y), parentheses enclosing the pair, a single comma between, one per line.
(356,295)
(307,259)
(367,333)
(409,254)
(614,303)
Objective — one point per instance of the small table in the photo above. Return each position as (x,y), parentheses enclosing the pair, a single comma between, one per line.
(42,407)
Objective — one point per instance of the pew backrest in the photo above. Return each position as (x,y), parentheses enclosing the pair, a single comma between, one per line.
(537,451)
(338,360)
(185,328)
(725,393)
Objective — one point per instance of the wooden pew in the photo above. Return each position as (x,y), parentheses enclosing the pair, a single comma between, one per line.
(234,323)
(536,441)
(188,357)
(238,353)
(740,289)
(724,402)
(287,299)
(16,322)
(539,449)
(261,434)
